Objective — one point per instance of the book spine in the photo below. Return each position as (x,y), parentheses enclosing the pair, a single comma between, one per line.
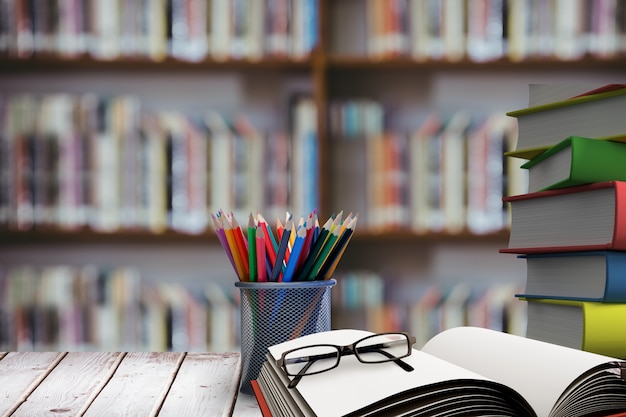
(619,232)
(615,288)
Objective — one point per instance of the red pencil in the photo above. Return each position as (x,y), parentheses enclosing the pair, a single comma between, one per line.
(261,259)
(270,249)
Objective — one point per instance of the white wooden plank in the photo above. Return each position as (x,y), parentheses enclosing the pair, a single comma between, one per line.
(246,406)
(72,385)
(20,373)
(206,385)
(139,386)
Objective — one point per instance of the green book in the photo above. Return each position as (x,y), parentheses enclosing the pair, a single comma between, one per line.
(576,161)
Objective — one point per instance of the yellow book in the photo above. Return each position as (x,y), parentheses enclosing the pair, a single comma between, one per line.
(587,325)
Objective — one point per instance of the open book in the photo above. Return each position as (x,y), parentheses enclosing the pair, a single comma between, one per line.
(459,372)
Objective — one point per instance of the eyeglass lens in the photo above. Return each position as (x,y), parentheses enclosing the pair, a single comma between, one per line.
(382,348)
(316,359)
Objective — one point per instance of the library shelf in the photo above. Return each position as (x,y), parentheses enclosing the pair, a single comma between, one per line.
(140,64)
(344,61)
(86,235)
(51,235)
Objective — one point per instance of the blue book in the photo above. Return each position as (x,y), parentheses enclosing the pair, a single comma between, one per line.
(585,276)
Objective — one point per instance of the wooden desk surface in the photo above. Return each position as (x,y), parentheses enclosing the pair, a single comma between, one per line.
(124,384)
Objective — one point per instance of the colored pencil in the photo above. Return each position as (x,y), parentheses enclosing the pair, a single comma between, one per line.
(323,255)
(306,247)
(279,229)
(221,235)
(252,253)
(305,250)
(329,266)
(317,246)
(292,238)
(261,259)
(282,249)
(292,262)
(270,243)
(241,245)
(232,244)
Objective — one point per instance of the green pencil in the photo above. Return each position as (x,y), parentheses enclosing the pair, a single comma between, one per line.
(315,250)
(323,256)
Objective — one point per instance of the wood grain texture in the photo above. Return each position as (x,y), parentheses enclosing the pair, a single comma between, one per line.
(72,385)
(195,391)
(20,374)
(123,384)
(139,386)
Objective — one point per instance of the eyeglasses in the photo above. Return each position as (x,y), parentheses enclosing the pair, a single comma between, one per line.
(376,348)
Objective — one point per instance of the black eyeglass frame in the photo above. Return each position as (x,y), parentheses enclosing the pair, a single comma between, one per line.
(347,350)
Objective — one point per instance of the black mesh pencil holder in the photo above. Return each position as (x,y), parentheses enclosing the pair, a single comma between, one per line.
(274,312)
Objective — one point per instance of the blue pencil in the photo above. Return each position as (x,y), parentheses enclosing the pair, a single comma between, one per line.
(298,246)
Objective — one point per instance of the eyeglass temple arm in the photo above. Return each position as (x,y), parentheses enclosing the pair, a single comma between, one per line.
(297,378)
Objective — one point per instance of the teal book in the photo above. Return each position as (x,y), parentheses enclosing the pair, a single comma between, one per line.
(577,161)
(582,276)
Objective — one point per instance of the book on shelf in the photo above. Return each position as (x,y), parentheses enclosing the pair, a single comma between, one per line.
(588,275)
(597,115)
(305,154)
(386,28)
(584,217)
(453,171)
(576,161)
(386,180)
(590,326)
(188,30)
(466,369)
(63,307)
(489,175)
(486,26)
(423,151)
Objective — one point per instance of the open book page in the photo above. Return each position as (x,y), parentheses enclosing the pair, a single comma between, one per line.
(539,371)
(357,384)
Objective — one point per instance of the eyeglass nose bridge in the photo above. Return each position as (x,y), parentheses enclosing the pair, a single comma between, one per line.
(348,350)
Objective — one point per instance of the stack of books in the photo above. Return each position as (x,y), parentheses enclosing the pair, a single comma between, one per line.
(570,227)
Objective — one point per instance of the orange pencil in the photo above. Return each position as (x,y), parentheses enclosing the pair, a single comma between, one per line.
(232,243)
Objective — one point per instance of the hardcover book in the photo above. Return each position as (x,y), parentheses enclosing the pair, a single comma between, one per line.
(575,161)
(595,115)
(585,276)
(585,217)
(586,325)
(461,371)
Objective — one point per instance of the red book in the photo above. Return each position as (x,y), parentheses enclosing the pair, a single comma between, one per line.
(265,410)
(587,217)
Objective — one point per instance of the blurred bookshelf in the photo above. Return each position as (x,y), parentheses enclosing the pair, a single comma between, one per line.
(91,308)
(121,134)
